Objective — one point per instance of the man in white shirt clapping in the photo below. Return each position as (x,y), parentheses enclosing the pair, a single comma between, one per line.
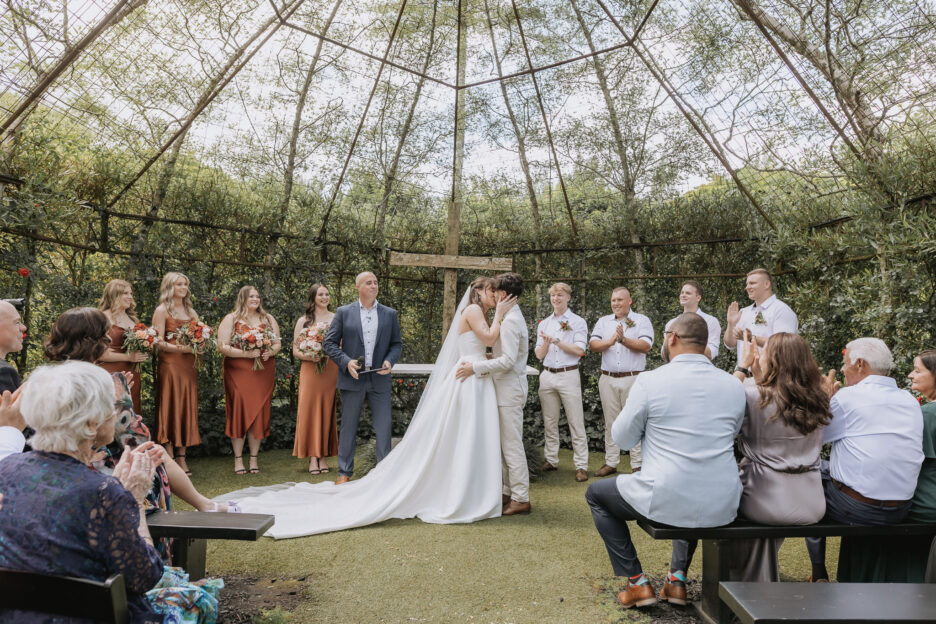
(690,295)
(560,344)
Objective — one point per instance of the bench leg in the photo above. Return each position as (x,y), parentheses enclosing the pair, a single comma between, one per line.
(190,554)
(714,569)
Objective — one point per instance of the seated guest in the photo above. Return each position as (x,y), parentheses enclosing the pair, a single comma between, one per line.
(780,441)
(84,334)
(877,446)
(686,414)
(50,497)
(11,341)
(923,506)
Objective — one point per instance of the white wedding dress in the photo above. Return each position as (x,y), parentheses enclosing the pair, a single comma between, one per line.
(445,470)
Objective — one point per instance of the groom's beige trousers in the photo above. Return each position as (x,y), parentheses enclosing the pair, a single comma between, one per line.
(563,388)
(511,397)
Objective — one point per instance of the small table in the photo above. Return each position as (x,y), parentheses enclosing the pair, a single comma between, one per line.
(192,530)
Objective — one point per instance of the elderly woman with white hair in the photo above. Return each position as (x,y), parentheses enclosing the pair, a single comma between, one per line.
(877,445)
(96,522)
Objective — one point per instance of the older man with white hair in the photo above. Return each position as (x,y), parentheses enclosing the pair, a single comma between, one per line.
(877,445)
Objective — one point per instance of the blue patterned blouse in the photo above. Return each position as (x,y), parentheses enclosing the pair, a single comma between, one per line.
(60,517)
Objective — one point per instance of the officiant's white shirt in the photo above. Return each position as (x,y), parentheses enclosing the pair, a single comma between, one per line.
(686,414)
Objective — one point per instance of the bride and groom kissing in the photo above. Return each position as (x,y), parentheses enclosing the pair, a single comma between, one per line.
(464,443)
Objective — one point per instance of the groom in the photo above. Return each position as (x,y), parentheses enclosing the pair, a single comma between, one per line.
(363,330)
(508,370)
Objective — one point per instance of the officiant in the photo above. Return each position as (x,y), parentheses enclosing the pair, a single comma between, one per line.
(364,341)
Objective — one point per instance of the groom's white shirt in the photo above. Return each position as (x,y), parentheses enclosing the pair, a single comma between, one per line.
(510,355)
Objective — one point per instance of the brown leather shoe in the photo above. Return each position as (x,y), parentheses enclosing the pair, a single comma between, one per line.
(606,470)
(547,467)
(673,592)
(637,596)
(581,475)
(514,508)
(504,500)
(342,479)
(635,470)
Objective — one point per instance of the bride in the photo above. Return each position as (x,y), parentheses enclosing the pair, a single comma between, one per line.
(445,470)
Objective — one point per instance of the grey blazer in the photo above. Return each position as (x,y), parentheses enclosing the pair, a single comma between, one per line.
(345,342)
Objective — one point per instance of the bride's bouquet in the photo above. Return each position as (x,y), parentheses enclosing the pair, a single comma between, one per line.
(140,339)
(253,339)
(310,342)
(196,336)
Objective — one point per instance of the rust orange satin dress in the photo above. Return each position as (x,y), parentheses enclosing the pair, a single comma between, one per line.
(247,396)
(316,424)
(117,334)
(177,392)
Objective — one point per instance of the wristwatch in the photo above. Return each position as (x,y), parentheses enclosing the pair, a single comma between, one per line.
(747,371)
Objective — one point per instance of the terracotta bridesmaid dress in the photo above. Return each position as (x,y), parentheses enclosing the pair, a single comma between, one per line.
(316,424)
(177,390)
(117,334)
(247,395)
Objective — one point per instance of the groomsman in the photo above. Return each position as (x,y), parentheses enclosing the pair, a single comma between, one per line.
(689,297)
(623,338)
(765,317)
(560,344)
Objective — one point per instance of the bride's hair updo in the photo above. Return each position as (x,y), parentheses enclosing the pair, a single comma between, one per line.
(477,286)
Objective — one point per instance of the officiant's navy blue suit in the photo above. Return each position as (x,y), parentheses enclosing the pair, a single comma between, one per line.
(345,342)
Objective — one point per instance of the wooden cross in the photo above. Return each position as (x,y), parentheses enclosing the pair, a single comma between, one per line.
(451,264)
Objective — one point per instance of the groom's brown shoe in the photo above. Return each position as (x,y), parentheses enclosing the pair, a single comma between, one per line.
(342,479)
(547,467)
(606,470)
(504,500)
(514,508)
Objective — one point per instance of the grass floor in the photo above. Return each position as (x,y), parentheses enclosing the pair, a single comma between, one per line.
(550,566)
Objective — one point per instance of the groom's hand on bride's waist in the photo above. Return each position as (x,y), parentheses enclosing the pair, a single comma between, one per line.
(465,370)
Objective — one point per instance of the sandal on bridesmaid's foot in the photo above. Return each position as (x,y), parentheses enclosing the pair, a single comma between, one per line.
(183,465)
(254,469)
(317,469)
(241,470)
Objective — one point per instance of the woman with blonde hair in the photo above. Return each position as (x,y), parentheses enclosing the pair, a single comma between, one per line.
(118,306)
(316,420)
(177,376)
(248,389)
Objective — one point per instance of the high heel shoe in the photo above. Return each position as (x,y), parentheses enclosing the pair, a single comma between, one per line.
(255,469)
(241,470)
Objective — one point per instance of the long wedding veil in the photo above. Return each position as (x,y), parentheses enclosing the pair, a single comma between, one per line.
(446,360)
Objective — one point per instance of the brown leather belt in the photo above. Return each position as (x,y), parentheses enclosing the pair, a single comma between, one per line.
(561,370)
(615,375)
(864,499)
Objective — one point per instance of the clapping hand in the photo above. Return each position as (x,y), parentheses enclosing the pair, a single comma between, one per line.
(135,471)
(547,338)
(619,334)
(830,384)
(733,315)
(751,359)
(10,415)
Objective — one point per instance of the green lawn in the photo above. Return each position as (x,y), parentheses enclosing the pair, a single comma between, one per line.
(549,566)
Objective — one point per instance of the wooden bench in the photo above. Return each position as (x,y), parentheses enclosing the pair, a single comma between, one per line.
(192,530)
(830,603)
(715,566)
(65,595)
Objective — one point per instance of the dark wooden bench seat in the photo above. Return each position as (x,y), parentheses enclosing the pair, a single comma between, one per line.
(830,603)
(193,529)
(715,566)
(104,601)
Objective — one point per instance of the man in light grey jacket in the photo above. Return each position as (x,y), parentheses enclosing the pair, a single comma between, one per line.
(686,414)
(507,368)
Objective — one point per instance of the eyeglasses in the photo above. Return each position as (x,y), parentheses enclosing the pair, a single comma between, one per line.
(670,331)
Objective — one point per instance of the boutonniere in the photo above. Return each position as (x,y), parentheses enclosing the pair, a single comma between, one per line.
(564,326)
(759,319)
(628,321)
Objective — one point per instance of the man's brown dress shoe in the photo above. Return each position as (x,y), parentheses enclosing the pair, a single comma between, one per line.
(581,475)
(514,508)
(606,470)
(547,467)
(637,596)
(504,500)
(342,479)
(673,592)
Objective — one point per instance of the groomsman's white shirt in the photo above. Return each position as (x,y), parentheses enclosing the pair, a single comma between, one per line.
(11,441)
(369,324)
(577,334)
(778,317)
(714,331)
(618,358)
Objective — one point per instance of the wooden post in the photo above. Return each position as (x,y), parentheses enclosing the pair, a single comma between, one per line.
(450,287)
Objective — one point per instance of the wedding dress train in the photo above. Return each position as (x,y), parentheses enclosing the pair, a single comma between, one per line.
(445,470)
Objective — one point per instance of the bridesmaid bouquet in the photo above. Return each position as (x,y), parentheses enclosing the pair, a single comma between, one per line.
(253,339)
(195,335)
(140,339)
(311,341)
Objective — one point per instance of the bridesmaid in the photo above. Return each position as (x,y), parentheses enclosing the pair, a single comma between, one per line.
(177,378)
(247,392)
(316,426)
(118,306)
